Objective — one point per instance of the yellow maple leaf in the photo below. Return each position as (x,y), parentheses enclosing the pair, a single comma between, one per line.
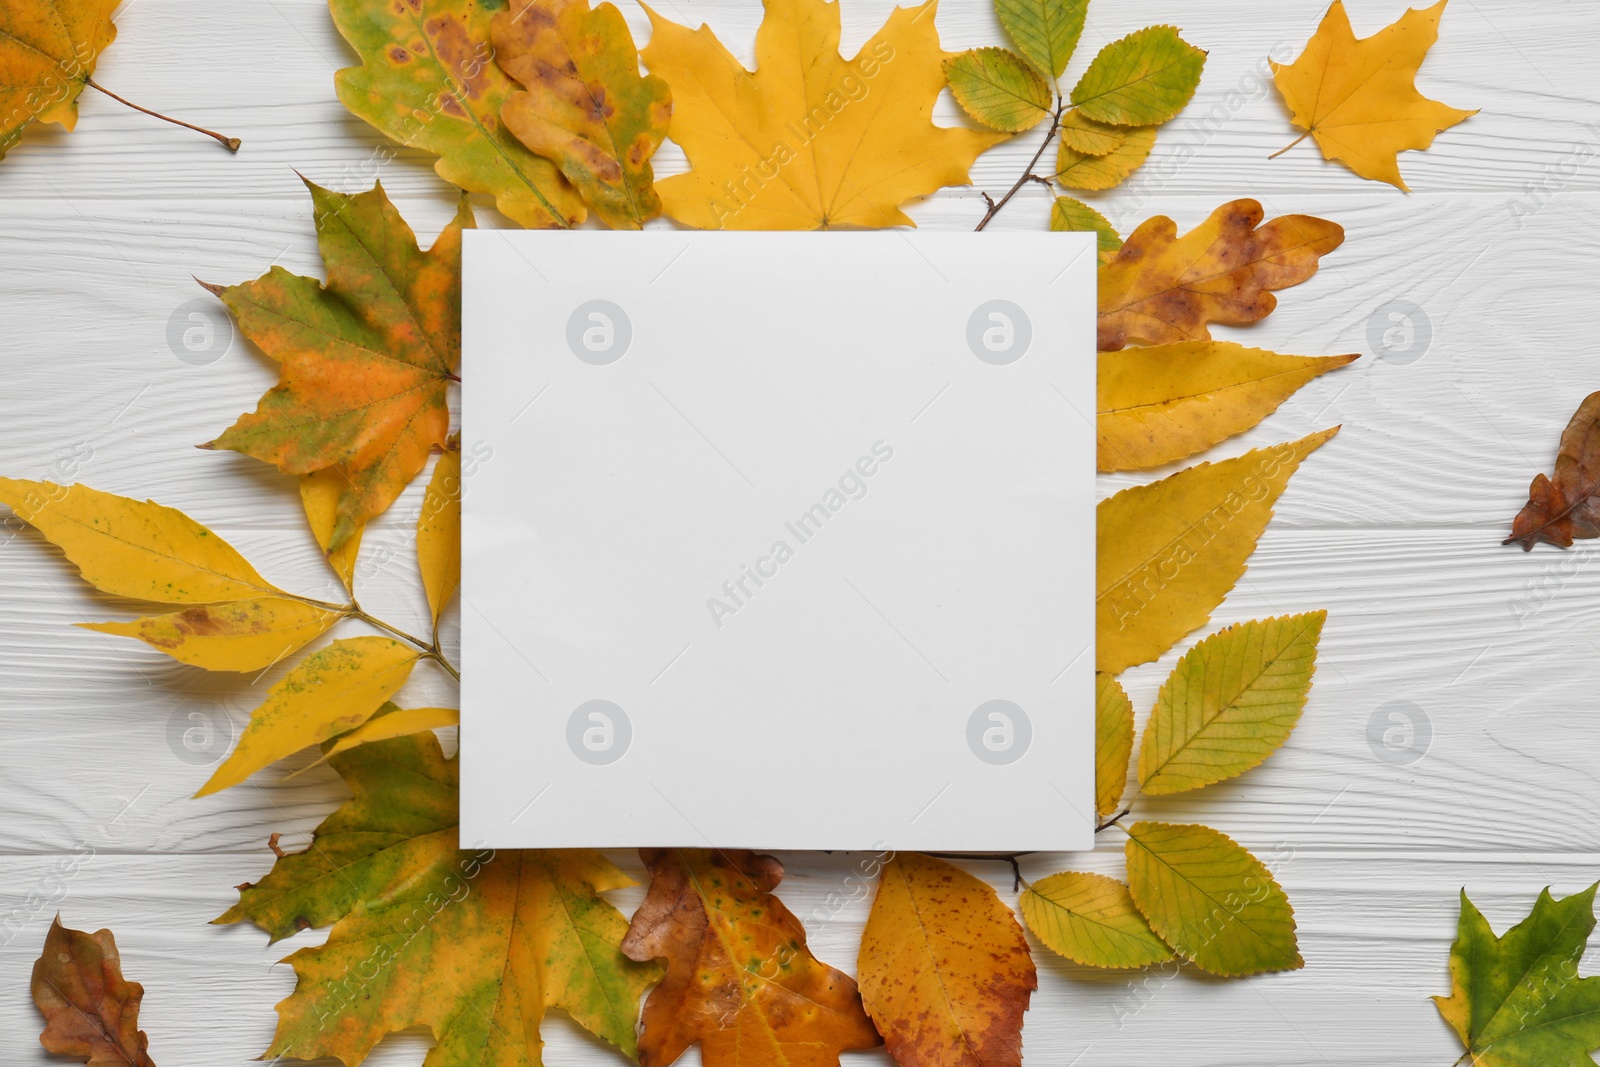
(809,139)
(1359,99)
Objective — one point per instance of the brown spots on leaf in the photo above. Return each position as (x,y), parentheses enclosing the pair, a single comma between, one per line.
(398,54)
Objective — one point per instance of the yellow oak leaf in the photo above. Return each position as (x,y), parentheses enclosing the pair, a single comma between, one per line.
(944,968)
(1091,919)
(585,106)
(334,689)
(809,139)
(1168,552)
(48,50)
(240,635)
(1358,98)
(439,531)
(1113,743)
(1165,402)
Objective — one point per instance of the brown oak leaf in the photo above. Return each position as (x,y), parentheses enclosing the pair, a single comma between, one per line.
(89,1009)
(1567,506)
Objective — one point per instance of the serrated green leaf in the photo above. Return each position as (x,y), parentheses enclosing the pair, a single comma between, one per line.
(1074,170)
(998,89)
(1142,80)
(1212,901)
(1113,743)
(1074,216)
(1229,703)
(1046,32)
(1517,1000)
(1089,137)
(1090,919)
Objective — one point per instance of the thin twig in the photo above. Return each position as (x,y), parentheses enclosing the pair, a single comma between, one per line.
(230,143)
(1109,823)
(1004,857)
(1055,126)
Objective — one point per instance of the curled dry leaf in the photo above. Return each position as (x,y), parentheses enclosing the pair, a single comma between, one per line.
(1359,99)
(90,1011)
(1162,288)
(1170,551)
(584,104)
(944,968)
(809,139)
(1568,506)
(740,979)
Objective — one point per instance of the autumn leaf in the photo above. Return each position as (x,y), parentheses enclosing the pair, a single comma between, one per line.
(319,498)
(585,106)
(1090,919)
(1074,216)
(241,635)
(1517,1000)
(1209,899)
(1359,99)
(809,139)
(474,946)
(739,977)
(1077,170)
(90,1011)
(1163,288)
(48,50)
(1165,402)
(998,89)
(1144,79)
(334,689)
(1113,743)
(1088,137)
(390,721)
(1046,32)
(364,358)
(428,80)
(439,533)
(944,968)
(1568,506)
(1170,551)
(1231,701)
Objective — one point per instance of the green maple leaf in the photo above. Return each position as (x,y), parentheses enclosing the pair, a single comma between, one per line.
(1517,1000)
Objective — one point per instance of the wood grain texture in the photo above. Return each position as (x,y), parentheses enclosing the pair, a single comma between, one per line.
(1394,527)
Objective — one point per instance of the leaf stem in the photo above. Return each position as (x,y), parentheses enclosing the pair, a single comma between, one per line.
(1004,857)
(429,650)
(1286,147)
(1027,175)
(230,143)
(1109,823)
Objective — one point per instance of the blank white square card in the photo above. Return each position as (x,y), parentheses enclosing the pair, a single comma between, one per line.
(778,540)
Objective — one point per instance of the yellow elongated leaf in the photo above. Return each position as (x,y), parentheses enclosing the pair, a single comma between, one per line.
(439,533)
(1170,551)
(998,89)
(135,548)
(1090,919)
(1229,703)
(1089,137)
(1075,170)
(241,635)
(330,691)
(1046,32)
(319,496)
(1209,899)
(394,722)
(1165,402)
(1068,215)
(1113,743)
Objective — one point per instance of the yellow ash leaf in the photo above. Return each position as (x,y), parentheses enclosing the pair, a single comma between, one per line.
(1089,137)
(439,532)
(319,497)
(809,139)
(1075,170)
(241,635)
(48,50)
(1113,743)
(1170,551)
(1358,98)
(135,548)
(944,968)
(395,722)
(1091,919)
(1165,402)
(333,690)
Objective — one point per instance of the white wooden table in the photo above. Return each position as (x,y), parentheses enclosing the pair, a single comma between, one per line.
(1394,527)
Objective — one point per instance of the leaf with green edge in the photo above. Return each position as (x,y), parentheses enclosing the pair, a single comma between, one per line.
(428,80)
(1231,701)
(1144,79)
(1074,216)
(1113,743)
(998,89)
(1517,1000)
(1211,900)
(1089,137)
(1090,919)
(1046,32)
(1074,170)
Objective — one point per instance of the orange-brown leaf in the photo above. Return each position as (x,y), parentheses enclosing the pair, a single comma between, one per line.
(944,969)
(90,1010)
(47,52)
(364,358)
(740,979)
(1568,506)
(1162,288)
